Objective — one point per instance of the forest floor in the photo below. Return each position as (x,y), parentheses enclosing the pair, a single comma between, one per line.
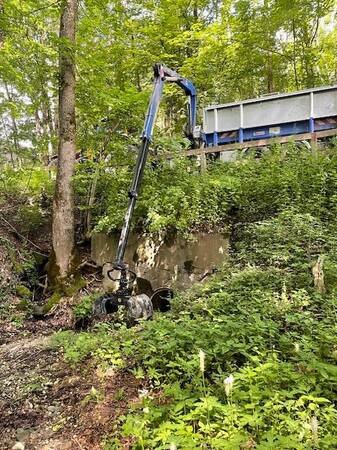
(47,404)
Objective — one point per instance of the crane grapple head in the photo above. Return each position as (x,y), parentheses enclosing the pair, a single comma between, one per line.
(137,307)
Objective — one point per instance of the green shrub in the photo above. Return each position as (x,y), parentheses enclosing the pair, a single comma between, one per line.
(29,218)
(100,345)
(248,190)
(84,308)
(27,193)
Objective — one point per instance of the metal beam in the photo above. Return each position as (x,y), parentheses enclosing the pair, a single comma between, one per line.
(259,143)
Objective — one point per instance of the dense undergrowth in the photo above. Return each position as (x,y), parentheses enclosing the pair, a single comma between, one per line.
(176,197)
(25,209)
(26,197)
(247,360)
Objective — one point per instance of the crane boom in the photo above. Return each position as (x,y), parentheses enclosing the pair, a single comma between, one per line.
(162,74)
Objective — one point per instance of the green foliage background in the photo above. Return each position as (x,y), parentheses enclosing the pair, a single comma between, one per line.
(231,49)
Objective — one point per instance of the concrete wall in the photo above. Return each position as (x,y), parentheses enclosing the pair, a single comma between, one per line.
(174,262)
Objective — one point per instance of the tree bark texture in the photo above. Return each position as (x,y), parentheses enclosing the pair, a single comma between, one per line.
(63,205)
(2,33)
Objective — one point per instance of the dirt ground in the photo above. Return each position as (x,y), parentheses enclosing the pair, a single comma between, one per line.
(44,402)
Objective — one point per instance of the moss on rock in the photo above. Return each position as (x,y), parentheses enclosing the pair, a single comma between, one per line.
(23,292)
(52,301)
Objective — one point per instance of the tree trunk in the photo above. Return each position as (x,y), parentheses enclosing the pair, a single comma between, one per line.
(63,205)
(48,124)
(2,33)
(294,54)
(15,131)
(91,201)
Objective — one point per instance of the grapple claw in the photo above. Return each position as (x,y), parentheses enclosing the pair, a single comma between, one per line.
(138,307)
(106,304)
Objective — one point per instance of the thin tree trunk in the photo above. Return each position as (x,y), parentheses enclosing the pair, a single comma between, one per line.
(2,33)
(91,201)
(15,131)
(294,54)
(8,145)
(48,123)
(63,205)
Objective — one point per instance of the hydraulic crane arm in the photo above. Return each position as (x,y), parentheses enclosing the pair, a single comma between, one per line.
(162,74)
